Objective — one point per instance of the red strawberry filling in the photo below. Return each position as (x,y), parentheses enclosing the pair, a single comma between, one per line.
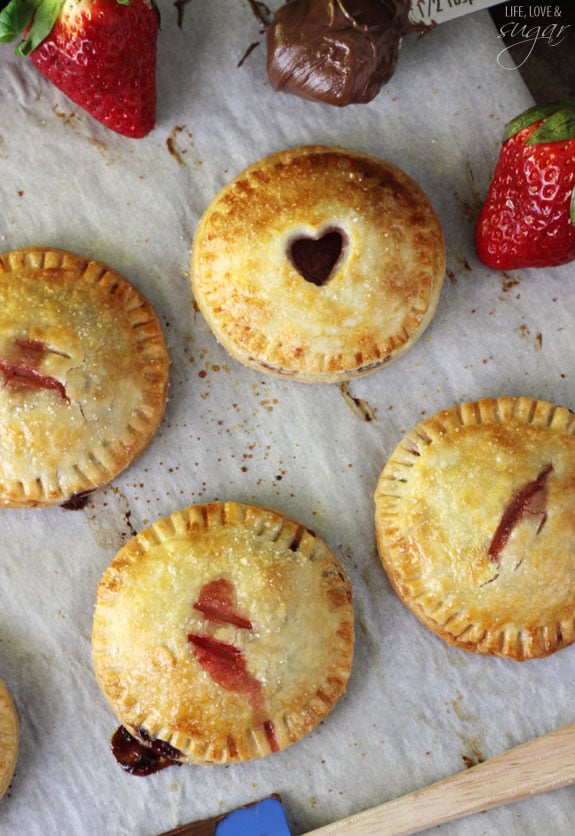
(530,500)
(21,373)
(141,756)
(270,733)
(226,665)
(223,662)
(216,604)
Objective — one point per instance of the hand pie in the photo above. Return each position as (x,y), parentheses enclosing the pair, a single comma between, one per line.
(318,263)
(9,738)
(83,376)
(475,525)
(223,633)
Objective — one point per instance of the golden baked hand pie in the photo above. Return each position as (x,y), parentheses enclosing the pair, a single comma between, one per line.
(475,525)
(9,738)
(222,633)
(83,375)
(318,263)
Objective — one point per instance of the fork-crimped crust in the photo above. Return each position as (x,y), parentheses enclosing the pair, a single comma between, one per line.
(225,630)
(263,305)
(475,525)
(83,375)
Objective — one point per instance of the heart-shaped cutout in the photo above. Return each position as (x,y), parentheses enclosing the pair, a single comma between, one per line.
(315,258)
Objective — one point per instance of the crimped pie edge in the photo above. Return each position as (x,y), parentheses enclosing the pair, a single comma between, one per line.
(290,726)
(9,737)
(515,643)
(329,368)
(98,467)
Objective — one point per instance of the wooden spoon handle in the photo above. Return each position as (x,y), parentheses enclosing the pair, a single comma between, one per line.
(543,764)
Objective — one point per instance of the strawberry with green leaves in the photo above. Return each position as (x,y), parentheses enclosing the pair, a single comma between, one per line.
(528,218)
(100,53)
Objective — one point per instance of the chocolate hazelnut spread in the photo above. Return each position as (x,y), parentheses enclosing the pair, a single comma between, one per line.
(338,52)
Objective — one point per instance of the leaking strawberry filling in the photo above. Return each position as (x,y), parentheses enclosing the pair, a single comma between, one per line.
(226,665)
(142,755)
(77,501)
(21,372)
(223,662)
(216,604)
(270,733)
(529,501)
(19,377)
(31,352)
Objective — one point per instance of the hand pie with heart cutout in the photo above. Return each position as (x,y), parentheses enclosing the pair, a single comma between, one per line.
(83,376)
(222,633)
(475,525)
(9,738)
(318,263)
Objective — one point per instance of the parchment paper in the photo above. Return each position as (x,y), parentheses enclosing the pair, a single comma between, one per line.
(416,710)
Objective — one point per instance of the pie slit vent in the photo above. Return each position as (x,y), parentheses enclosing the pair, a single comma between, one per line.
(9,736)
(317,258)
(222,633)
(474,525)
(83,376)
(318,263)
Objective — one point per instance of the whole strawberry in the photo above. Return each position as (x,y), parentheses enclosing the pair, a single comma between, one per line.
(528,218)
(100,53)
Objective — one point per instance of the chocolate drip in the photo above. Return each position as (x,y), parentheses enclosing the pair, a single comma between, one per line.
(338,52)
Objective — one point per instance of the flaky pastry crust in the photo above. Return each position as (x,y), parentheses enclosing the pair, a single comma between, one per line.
(9,738)
(475,525)
(83,375)
(374,303)
(225,630)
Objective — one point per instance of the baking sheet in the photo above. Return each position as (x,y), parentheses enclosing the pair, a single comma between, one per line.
(416,710)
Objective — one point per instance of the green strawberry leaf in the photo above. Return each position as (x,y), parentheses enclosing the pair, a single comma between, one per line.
(45,17)
(14,18)
(558,126)
(528,117)
(34,18)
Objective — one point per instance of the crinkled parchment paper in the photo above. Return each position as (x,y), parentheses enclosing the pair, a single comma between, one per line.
(416,710)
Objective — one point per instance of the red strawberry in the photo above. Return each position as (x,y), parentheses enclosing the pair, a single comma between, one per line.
(100,53)
(528,218)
